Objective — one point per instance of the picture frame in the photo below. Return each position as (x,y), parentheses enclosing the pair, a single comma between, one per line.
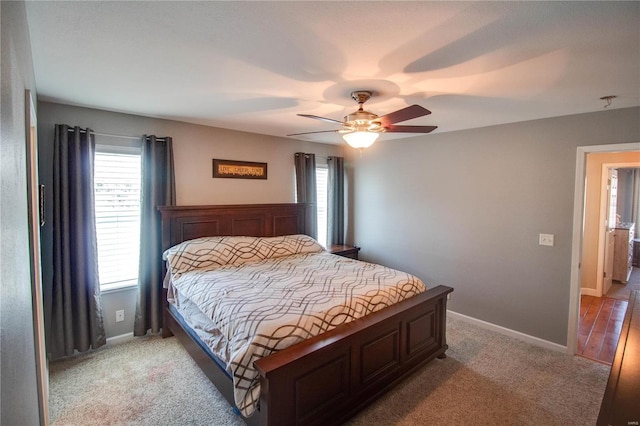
(234,169)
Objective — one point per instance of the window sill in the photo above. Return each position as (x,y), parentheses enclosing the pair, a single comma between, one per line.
(115,289)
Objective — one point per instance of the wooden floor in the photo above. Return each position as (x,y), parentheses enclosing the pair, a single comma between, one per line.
(599,327)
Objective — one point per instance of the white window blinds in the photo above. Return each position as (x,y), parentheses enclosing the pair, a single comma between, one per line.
(322,173)
(117,202)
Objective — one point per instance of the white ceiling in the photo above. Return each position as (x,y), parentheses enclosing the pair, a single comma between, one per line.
(252,66)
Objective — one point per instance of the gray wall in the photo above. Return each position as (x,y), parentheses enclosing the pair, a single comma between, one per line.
(465,208)
(194,148)
(19,399)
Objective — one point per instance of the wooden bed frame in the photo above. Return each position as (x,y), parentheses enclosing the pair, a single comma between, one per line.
(329,378)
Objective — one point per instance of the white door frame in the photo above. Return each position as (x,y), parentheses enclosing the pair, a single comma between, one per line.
(578,231)
(35,221)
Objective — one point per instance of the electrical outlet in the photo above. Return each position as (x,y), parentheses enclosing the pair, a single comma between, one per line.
(120,315)
(546,240)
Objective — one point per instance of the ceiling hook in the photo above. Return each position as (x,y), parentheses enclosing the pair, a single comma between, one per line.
(609,99)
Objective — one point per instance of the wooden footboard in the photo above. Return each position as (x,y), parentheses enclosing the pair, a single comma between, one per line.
(328,378)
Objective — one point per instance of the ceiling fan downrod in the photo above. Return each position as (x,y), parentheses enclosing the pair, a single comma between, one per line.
(361,96)
(361,120)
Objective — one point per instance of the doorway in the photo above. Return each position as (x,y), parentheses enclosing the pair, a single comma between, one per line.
(602,309)
(609,222)
(585,241)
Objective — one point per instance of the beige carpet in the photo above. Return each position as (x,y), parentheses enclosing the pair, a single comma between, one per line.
(487,379)
(623,291)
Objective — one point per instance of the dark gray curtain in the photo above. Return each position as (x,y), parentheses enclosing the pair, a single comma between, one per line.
(76,320)
(158,189)
(306,187)
(335,201)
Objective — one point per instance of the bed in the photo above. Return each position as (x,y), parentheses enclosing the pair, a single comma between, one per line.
(327,378)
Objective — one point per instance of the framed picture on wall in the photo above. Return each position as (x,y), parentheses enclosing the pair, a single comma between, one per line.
(239,169)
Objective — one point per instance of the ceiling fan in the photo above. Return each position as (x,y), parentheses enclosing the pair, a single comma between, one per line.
(361,128)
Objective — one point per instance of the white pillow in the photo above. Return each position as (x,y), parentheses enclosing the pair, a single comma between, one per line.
(214,252)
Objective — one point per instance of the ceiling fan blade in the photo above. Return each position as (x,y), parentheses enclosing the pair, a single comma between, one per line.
(317,117)
(410,129)
(308,133)
(404,114)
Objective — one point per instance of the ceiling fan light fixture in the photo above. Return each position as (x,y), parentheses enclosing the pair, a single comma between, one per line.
(361,128)
(360,139)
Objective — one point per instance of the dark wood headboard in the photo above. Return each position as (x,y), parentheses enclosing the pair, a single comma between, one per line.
(181,223)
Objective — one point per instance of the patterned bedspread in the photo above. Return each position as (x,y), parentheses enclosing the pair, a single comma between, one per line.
(267,304)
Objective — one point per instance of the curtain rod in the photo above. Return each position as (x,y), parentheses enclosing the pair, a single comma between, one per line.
(71,129)
(119,136)
(322,157)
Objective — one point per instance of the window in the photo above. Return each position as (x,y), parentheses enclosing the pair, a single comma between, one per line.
(117,179)
(322,173)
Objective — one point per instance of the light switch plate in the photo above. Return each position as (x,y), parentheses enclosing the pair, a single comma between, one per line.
(546,240)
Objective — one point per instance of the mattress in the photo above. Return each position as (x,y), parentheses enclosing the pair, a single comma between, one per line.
(252,297)
(204,330)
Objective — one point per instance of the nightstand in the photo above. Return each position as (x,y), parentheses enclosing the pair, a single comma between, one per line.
(344,250)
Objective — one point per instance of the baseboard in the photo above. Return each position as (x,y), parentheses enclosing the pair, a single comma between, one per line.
(508,332)
(120,339)
(589,292)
